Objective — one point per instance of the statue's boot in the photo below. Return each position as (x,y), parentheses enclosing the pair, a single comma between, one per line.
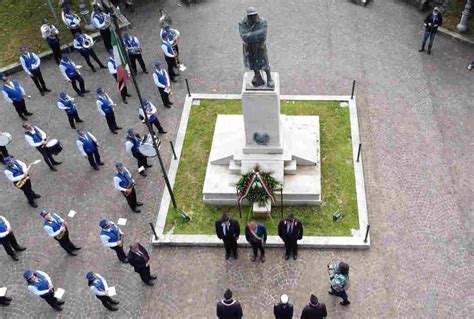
(270,82)
(257,79)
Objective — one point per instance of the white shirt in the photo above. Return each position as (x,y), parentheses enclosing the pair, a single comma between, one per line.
(47,30)
(132,49)
(79,46)
(95,21)
(35,290)
(5,233)
(30,140)
(117,182)
(96,291)
(5,95)
(49,229)
(112,68)
(80,145)
(62,68)
(71,24)
(99,104)
(61,105)
(128,147)
(164,48)
(176,35)
(9,174)
(148,113)
(105,239)
(157,81)
(33,66)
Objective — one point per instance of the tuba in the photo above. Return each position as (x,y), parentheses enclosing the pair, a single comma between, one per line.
(87,44)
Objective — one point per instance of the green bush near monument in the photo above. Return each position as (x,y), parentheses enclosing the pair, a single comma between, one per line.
(338,181)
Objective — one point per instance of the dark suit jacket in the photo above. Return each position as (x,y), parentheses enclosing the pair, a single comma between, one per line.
(138,262)
(234,230)
(229,310)
(314,312)
(283,311)
(296,234)
(429,19)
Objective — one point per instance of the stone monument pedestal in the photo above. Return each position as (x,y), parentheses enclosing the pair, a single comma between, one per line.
(288,146)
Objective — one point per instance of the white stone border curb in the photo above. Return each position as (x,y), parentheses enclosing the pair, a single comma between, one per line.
(354,241)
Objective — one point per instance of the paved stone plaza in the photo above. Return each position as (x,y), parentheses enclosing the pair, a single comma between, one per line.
(417,126)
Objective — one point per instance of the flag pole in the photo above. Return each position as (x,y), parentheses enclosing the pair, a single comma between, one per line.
(113,13)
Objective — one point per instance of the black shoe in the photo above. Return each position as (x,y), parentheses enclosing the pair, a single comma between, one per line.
(345,303)
(103,67)
(118,128)
(42,93)
(24,118)
(8,299)
(170,103)
(76,248)
(61,302)
(287,257)
(142,173)
(80,94)
(15,257)
(73,127)
(262,258)
(330,292)
(128,95)
(163,132)
(421,50)
(145,71)
(33,204)
(93,70)
(236,256)
(125,261)
(96,167)
(125,101)
(295,257)
(79,121)
(72,253)
(37,196)
(112,308)
(114,132)
(20,248)
(153,277)
(253,259)
(47,90)
(58,308)
(101,163)
(136,210)
(227,255)
(148,165)
(174,80)
(115,302)
(28,113)
(85,91)
(167,106)
(53,169)
(57,163)
(149,283)
(429,51)
(139,204)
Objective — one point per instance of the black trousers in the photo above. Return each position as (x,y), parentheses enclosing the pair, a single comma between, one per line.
(133,62)
(20,108)
(120,253)
(5,301)
(65,242)
(110,118)
(107,38)
(51,299)
(92,54)
(38,79)
(47,156)
(256,247)
(29,193)
(106,301)
(73,117)
(10,244)
(141,159)
(230,246)
(291,247)
(144,274)
(123,91)
(3,153)
(157,125)
(74,80)
(56,48)
(131,198)
(94,158)
(165,97)
(74,31)
(171,64)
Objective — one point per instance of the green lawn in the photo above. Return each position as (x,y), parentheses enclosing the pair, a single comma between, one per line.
(338,183)
(453,15)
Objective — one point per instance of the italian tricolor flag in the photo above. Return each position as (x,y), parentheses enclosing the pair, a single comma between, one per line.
(120,61)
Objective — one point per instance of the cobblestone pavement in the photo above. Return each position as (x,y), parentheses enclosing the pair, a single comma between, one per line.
(416,118)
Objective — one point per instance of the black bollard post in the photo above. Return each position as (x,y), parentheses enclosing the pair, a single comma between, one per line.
(367,233)
(353,88)
(172,148)
(187,86)
(358,152)
(153,230)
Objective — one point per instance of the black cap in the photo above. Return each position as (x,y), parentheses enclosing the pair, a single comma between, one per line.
(313,300)
(228,294)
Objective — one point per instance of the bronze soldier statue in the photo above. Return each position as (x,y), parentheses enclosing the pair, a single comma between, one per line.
(253,31)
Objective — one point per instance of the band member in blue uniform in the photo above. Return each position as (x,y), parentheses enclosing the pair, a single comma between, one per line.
(105,106)
(31,65)
(170,56)
(124,183)
(98,286)
(132,144)
(101,21)
(66,103)
(18,173)
(14,93)
(8,239)
(89,148)
(162,82)
(111,237)
(50,33)
(37,138)
(71,20)
(134,49)
(56,227)
(70,72)
(150,110)
(83,43)
(40,284)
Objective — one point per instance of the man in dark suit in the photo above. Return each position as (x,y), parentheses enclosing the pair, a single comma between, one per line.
(290,231)
(432,22)
(283,310)
(138,257)
(228,229)
(314,309)
(229,308)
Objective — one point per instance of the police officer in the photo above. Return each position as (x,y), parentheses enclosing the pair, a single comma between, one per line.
(16,171)
(105,108)
(122,87)
(71,73)
(162,82)
(89,148)
(101,21)
(71,20)
(228,229)
(66,103)
(86,51)
(170,56)
(8,240)
(14,93)
(99,288)
(111,237)
(31,65)
(37,138)
(134,49)
(56,227)
(40,284)
(124,183)
(290,231)
(132,144)
(50,33)
(150,110)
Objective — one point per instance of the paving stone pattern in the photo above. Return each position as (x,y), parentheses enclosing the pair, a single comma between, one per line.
(416,120)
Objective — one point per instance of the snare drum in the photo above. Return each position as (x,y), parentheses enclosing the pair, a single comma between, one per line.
(147,148)
(5,138)
(54,146)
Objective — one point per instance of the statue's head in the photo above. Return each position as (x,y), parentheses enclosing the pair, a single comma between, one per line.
(252,14)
